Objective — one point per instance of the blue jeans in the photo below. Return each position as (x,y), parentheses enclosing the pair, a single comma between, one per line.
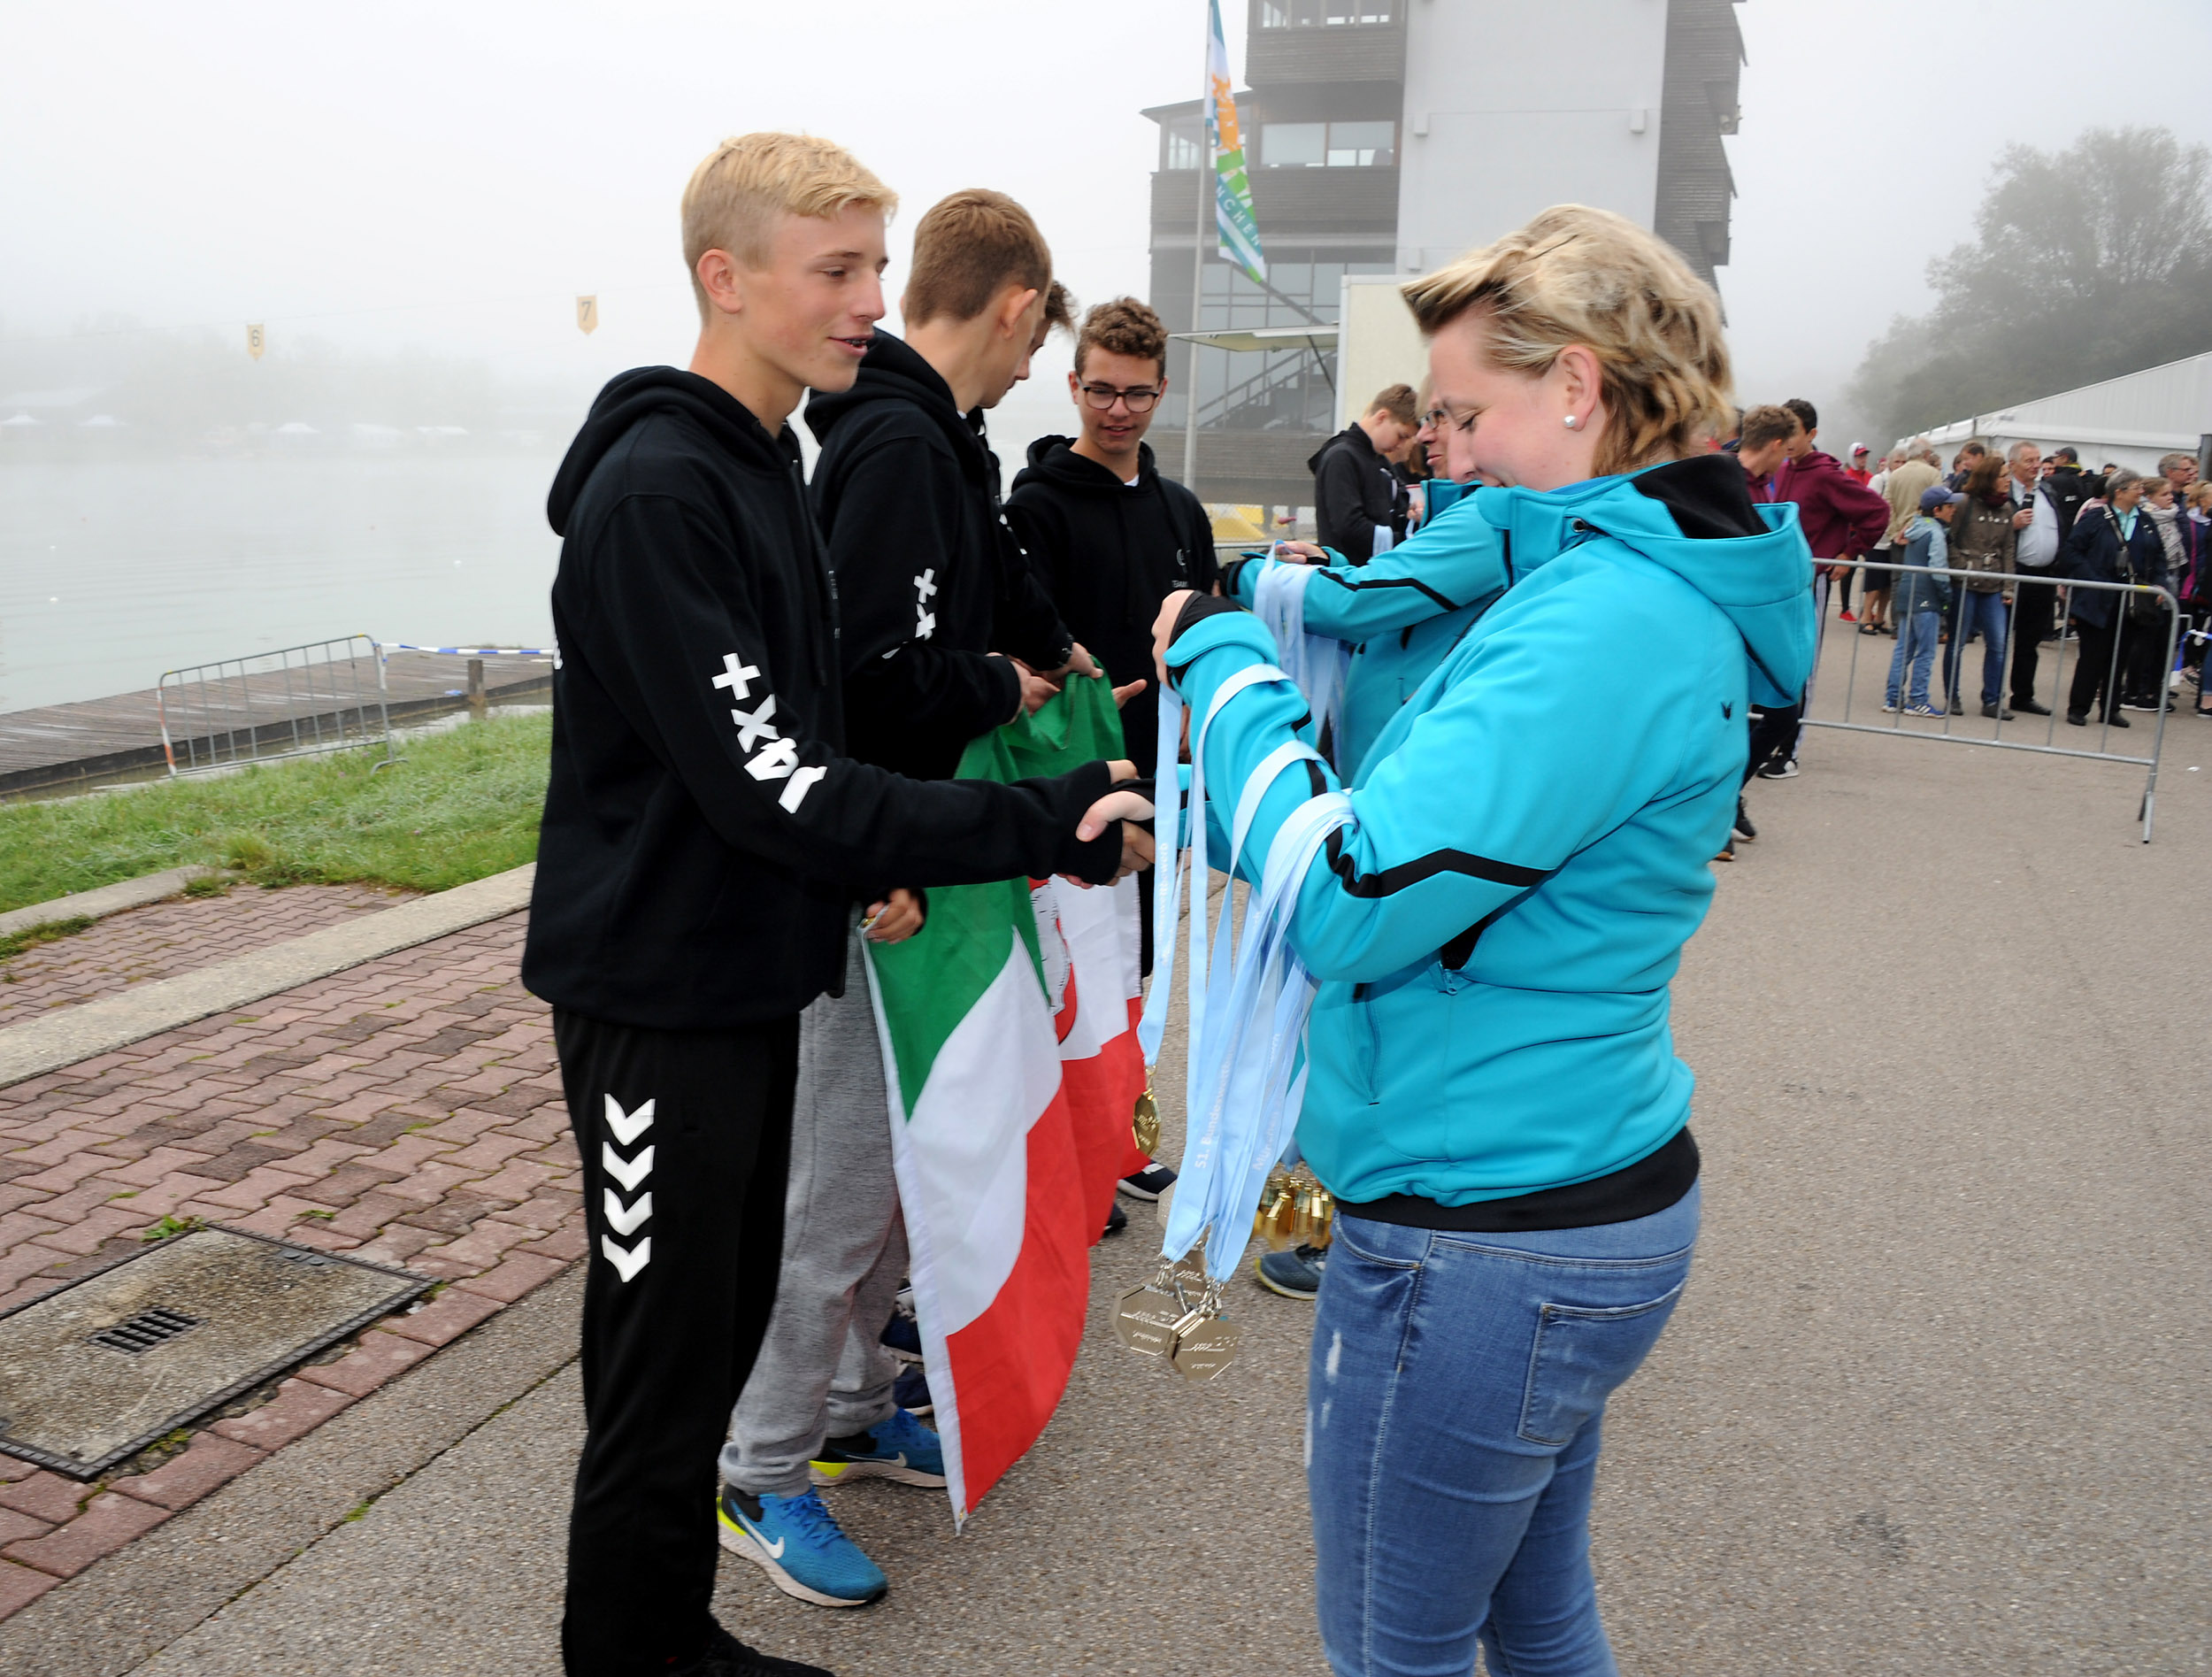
(1987,614)
(1915,647)
(1452,1426)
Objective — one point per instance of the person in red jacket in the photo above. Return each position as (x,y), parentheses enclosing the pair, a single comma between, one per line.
(1839,518)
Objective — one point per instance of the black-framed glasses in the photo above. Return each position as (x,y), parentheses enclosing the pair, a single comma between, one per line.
(1434,419)
(1103,396)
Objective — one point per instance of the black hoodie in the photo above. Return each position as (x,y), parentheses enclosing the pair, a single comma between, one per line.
(929,579)
(1108,552)
(704,834)
(1355,489)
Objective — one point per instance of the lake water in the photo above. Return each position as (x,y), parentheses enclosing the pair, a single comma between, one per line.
(111,571)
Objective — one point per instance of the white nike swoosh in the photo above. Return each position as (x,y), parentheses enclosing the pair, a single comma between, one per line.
(626,1222)
(627,1127)
(628,1171)
(774,1551)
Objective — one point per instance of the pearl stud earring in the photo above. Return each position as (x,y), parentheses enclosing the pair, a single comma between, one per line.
(1570,422)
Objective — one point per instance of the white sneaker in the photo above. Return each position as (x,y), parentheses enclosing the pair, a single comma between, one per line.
(1786,770)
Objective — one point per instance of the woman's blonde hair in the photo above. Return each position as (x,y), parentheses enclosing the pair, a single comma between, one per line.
(1579,275)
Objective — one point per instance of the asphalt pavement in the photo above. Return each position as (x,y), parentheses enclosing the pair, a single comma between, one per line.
(1933,1402)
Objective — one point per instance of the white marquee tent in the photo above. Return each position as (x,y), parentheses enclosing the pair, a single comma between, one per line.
(2130,421)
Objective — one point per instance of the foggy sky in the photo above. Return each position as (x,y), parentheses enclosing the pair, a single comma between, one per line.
(450,178)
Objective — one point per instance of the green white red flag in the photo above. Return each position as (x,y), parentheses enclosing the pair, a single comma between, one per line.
(1008,1026)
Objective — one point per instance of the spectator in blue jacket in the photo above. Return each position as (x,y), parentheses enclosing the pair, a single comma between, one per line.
(1920,602)
(1492,1091)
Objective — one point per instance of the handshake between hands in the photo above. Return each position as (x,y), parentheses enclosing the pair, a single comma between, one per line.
(898,915)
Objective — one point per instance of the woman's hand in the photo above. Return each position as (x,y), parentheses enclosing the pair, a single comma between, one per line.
(1300,552)
(1123,695)
(895,920)
(1164,628)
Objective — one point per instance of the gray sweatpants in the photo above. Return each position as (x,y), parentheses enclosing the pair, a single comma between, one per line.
(822,1372)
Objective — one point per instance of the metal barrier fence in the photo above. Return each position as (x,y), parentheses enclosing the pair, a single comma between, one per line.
(322,697)
(1951,664)
(475,694)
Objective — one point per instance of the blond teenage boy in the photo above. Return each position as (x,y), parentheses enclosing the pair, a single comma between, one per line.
(704,834)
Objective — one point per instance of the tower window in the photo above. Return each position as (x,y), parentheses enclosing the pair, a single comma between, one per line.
(1331,146)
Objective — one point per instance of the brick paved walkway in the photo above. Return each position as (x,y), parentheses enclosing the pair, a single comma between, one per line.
(181,935)
(408,1110)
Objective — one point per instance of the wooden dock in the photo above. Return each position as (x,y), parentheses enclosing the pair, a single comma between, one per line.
(63,746)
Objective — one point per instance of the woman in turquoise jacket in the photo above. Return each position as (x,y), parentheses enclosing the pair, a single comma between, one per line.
(1494,1096)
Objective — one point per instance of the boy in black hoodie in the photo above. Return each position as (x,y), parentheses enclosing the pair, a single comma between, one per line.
(946,637)
(703,833)
(1357,489)
(1110,538)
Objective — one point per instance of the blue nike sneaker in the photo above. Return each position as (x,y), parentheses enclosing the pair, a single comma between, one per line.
(899,1448)
(799,1544)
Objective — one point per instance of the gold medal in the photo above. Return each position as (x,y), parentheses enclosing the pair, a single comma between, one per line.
(1204,1343)
(1144,1128)
(1146,1317)
(1205,1348)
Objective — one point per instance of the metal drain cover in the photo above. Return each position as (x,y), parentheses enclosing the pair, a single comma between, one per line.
(99,1370)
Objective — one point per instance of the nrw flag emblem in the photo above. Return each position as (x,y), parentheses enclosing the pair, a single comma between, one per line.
(1005,1155)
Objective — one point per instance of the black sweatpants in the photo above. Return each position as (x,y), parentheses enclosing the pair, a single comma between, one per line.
(686,1139)
(1773,737)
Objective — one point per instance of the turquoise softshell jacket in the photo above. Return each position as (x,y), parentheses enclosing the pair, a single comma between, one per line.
(1495,931)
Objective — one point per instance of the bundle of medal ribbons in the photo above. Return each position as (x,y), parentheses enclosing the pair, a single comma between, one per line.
(1248,1006)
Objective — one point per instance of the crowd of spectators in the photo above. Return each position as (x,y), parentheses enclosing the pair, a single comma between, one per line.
(2003,534)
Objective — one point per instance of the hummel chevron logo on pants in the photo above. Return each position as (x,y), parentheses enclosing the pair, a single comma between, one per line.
(626,1129)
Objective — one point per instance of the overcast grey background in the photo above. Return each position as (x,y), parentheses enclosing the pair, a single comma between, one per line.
(451,177)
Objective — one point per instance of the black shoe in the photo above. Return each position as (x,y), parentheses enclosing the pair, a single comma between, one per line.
(2079,718)
(2117,721)
(1956,708)
(1150,1183)
(1996,715)
(1727,853)
(2029,707)
(1743,829)
(727,1656)
(1117,1220)
(903,1339)
(911,1393)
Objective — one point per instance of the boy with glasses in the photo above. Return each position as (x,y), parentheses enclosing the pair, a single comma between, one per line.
(1110,538)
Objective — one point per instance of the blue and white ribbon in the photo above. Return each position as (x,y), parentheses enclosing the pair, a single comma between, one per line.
(1244,1077)
(1317,663)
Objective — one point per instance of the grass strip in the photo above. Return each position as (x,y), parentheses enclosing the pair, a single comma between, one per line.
(463,805)
(14,943)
